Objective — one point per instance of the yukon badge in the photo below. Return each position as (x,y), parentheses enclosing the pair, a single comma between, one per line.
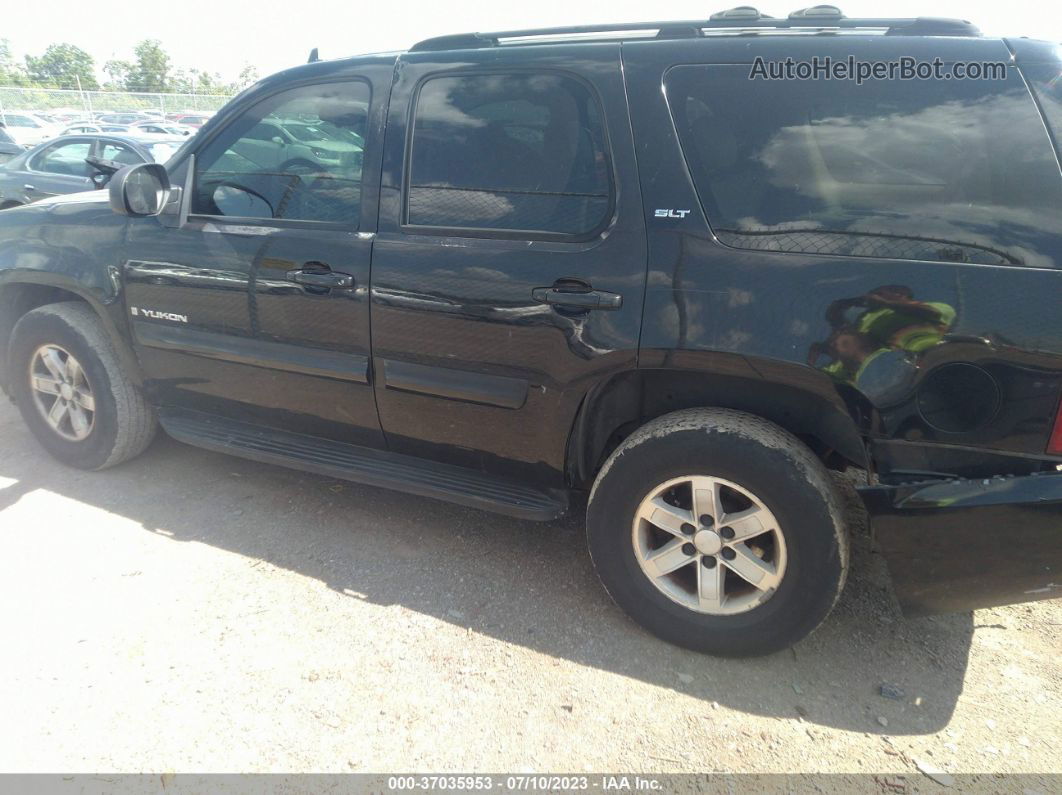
(154,314)
(671,213)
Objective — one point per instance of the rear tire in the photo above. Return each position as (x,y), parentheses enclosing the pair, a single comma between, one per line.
(746,552)
(69,386)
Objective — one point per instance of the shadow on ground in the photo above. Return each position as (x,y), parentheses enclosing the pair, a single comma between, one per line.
(520,582)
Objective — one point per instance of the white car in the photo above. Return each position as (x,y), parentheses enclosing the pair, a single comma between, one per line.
(91,128)
(28,129)
(160,127)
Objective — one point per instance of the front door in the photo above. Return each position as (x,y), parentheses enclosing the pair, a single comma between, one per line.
(510,266)
(256,308)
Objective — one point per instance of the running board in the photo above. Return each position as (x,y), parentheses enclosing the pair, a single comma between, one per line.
(364,465)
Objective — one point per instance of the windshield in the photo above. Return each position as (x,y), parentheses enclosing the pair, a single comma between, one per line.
(20,121)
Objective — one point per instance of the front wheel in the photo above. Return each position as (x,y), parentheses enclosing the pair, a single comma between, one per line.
(71,390)
(718,531)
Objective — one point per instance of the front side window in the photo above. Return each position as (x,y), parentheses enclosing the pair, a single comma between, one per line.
(523,153)
(67,159)
(953,171)
(259,167)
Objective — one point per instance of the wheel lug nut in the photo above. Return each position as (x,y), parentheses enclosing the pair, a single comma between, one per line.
(708,561)
(706,520)
(688,549)
(687,528)
(727,532)
(729,554)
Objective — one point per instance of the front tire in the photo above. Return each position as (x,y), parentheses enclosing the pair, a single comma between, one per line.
(71,391)
(718,531)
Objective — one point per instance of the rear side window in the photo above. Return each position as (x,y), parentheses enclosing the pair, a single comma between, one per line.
(945,170)
(523,153)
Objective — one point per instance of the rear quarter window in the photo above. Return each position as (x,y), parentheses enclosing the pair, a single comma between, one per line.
(1046,81)
(944,170)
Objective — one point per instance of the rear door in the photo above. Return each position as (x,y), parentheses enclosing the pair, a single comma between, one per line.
(510,265)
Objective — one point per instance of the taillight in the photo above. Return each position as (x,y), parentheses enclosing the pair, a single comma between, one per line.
(1054,447)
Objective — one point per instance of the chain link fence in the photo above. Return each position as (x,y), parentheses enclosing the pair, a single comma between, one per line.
(88,102)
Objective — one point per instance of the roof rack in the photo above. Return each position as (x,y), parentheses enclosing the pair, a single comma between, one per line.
(744,20)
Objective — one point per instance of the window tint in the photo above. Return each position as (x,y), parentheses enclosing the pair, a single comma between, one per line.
(956,171)
(65,158)
(256,168)
(513,152)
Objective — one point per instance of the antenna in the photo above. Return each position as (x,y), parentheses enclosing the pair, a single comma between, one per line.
(314,57)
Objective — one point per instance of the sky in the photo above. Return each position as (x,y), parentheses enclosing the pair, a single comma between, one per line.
(225,35)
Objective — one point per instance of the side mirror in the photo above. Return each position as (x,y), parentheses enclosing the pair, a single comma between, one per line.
(140,190)
(277,140)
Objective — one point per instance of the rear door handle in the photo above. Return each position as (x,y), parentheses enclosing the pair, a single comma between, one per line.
(576,295)
(326,279)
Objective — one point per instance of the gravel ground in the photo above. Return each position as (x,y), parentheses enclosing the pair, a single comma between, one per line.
(195,612)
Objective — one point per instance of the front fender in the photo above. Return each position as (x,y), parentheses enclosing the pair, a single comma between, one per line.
(64,249)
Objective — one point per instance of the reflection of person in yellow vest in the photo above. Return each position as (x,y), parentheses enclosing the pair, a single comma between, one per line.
(892,320)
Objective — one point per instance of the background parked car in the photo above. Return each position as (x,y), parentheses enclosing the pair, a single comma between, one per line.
(92,128)
(28,129)
(131,117)
(8,147)
(158,127)
(61,166)
(196,120)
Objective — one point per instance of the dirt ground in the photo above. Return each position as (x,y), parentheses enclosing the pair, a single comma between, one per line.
(195,612)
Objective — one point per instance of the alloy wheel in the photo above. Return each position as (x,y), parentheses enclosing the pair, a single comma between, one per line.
(62,393)
(710,545)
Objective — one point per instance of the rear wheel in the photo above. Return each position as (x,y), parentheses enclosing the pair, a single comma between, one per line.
(718,531)
(71,391)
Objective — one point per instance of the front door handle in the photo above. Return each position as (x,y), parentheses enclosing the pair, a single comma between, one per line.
(322,279)
(576,294)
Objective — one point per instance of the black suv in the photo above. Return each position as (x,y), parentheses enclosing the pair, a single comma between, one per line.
(631,261)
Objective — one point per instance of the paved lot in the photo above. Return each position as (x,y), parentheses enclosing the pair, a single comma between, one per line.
(194,612)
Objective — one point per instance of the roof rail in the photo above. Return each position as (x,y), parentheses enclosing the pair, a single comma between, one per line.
(742,19)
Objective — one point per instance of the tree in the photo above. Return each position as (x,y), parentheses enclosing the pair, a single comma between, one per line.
(11,73)
(248,76)
(117,74)
(62,66)
(151,69)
